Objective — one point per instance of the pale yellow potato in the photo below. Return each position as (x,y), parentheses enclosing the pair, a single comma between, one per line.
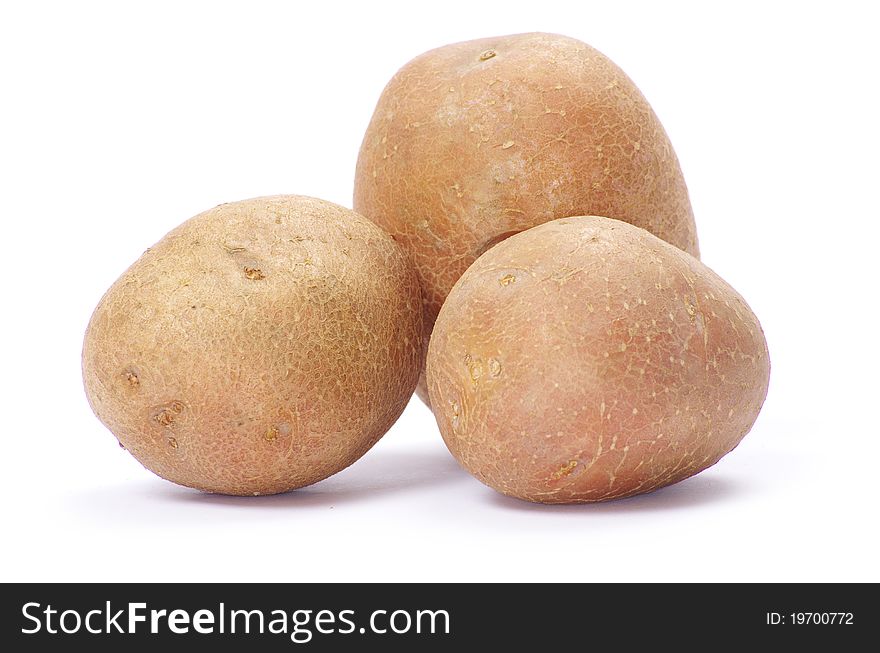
(259,347)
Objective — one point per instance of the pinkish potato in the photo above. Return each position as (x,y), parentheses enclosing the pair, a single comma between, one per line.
(586,359)
(474,141)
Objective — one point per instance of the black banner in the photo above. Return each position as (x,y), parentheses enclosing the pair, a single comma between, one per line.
(407,617)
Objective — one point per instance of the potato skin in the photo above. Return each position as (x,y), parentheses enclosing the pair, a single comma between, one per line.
(475,141)
(585,359)
(259,347)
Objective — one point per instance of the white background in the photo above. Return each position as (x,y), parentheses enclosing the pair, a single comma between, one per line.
(119,122)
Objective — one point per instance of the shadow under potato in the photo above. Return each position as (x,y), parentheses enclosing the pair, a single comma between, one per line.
(379,474)
(689,493)
(374,475)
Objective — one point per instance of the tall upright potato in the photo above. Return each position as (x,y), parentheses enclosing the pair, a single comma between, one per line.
(586,359)
(259,347)
(474,141)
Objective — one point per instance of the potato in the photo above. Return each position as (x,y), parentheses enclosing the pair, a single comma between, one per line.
(259,347)
(586,359)
(475,141)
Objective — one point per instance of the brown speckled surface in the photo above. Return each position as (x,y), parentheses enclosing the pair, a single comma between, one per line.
(259,347)
(586,359)
(474,141)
